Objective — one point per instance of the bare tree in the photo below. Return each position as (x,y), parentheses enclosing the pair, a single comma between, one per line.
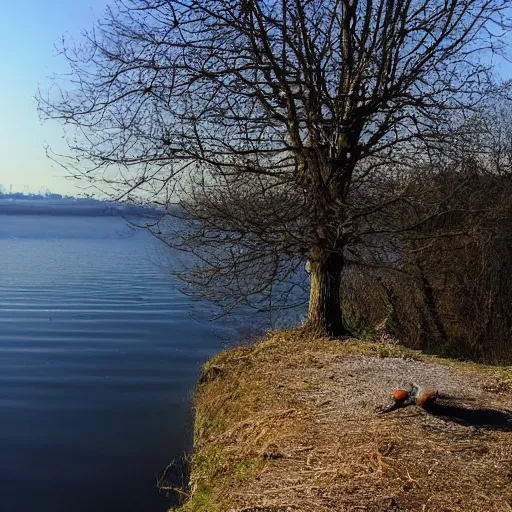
(283,126)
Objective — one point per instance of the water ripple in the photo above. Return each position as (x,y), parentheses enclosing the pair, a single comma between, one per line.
(98,357)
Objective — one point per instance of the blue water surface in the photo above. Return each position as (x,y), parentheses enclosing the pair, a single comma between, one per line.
(98,356)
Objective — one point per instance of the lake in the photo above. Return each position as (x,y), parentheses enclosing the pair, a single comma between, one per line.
(98,358)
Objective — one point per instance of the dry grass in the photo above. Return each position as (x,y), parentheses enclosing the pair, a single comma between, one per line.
(291,424)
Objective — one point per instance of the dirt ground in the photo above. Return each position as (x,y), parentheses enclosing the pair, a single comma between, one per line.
(293,424)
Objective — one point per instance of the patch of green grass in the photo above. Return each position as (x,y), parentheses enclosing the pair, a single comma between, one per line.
(209,462)
(505,374)
(202,500)
(245,469)
(382,351)
(501,373)
(205,425)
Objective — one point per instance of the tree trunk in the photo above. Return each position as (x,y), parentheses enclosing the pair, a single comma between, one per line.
(431,303)
(324,313)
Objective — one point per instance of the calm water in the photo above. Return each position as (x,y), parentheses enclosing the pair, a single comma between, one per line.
(98,355)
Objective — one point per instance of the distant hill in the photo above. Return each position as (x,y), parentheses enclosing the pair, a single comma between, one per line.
(55,204)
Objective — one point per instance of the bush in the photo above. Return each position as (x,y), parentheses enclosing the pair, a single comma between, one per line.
(449,287)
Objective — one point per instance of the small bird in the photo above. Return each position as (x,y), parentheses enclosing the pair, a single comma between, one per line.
(412,395)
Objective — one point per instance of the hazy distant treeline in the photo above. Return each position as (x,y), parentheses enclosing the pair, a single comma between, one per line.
(35,197)
(58,205)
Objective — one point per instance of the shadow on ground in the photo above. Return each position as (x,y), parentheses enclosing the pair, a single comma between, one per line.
(490,419)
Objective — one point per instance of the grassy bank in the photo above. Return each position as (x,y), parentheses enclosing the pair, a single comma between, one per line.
(291,424)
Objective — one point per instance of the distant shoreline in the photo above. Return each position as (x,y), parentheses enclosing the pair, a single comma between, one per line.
(73,207)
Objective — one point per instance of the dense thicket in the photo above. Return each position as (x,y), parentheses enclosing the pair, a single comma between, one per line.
(449,287)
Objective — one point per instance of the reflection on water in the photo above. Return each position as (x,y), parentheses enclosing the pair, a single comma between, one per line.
(98,355)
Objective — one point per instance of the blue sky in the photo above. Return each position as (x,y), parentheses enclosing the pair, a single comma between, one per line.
(28,33)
